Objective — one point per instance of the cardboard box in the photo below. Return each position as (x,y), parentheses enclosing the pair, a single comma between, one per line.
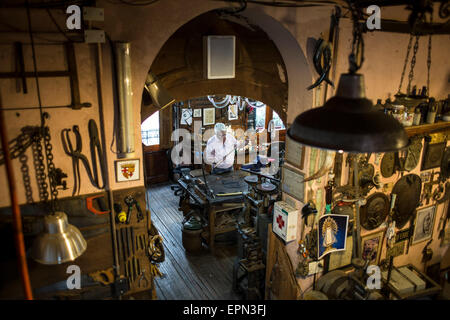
(285,220)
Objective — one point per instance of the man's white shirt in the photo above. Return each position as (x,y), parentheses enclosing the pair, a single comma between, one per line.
(220,150)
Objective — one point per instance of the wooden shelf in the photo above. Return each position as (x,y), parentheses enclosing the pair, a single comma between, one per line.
(427,128)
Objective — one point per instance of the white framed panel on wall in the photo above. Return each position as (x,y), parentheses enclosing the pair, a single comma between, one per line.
(295,153)
(292,182)
(220,57)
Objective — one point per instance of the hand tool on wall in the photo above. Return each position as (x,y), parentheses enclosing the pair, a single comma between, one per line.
(124,248)
(101,203)
(324,55)
(119,244)
(105,277)
(121,215)
(130,201)
(71,73)
(76,155)
(143,281)
(133,241)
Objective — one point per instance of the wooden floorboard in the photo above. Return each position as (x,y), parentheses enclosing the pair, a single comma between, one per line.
(198,277)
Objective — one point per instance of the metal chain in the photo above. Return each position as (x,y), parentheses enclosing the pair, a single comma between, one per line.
(26,178)
(413,64)
(17,146)
(50,166)
(356,57)
(408,50)
(39,168)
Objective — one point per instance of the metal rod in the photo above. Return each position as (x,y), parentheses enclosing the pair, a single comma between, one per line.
(356,240)
(98,73)
(123,74)
(17,218)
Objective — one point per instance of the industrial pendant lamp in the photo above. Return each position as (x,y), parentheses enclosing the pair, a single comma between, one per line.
(348,121)
(61,242)
(160,96)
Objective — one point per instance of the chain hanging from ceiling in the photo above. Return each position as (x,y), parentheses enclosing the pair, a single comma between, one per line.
(230,99)
(413,61)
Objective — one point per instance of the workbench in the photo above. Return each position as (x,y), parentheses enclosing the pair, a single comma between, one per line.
(232,182)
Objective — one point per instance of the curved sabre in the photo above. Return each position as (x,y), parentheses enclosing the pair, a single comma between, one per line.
(326,166)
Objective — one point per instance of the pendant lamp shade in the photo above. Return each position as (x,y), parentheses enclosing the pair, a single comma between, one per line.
(61,242)
(160,96)
(349,122)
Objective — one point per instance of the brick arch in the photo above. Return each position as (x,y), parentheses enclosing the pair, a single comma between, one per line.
(260,70)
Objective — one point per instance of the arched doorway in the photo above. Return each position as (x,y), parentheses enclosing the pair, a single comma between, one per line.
(260,75)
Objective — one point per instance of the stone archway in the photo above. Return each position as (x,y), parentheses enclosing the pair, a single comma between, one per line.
(261,73)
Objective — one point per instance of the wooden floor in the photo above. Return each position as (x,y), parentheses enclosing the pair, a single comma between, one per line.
(193,277)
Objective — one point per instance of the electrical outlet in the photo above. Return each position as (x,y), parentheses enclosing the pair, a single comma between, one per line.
(93,14)
(94,36)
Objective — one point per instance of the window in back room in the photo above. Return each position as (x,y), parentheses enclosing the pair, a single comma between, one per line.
(150,130)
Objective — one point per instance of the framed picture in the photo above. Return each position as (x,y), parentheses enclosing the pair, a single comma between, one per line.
(423,229)
(332,236)
(371,247)
(232,112)
(209,116)
(295,153)
(127,170)
(292,183)
(197,113)
(432,155)
(343,258)
(186,116)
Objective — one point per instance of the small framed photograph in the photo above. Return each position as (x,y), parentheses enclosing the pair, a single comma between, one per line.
(127,170)
(423,229)
(209,116)
(186,117)
(232,112)
(371,247)
(197,113)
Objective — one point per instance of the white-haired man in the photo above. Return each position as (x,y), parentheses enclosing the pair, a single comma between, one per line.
(220,150)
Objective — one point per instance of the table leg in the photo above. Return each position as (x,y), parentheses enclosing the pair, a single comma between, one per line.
(212,229)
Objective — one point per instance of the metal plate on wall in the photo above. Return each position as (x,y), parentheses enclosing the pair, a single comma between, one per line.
(375,211)
(433,155)
(408,190)
(387,166)
(413,155)
(292,183)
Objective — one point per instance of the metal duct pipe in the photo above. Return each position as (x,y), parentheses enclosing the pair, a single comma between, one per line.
(126,121)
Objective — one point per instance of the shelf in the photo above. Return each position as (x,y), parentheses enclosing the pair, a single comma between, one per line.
(427,128)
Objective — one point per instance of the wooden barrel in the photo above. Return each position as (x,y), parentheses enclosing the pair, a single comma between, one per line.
(192,241)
